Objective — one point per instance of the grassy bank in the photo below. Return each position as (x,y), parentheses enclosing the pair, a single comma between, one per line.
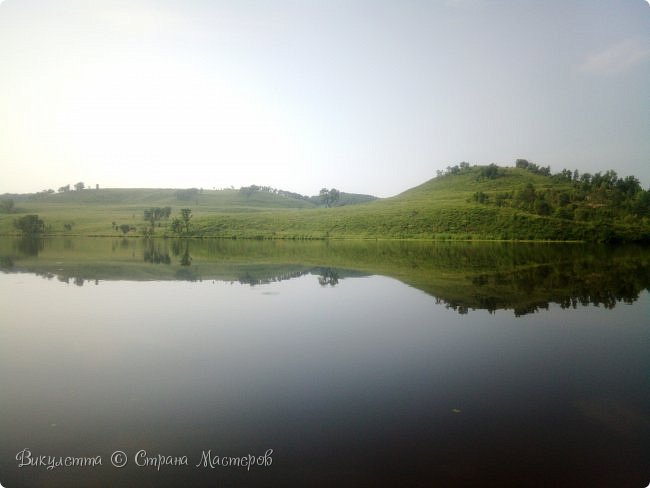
(467,203)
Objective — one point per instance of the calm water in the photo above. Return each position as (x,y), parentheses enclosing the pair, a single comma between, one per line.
(349,364)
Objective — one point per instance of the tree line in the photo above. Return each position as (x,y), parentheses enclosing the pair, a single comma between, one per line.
(153,215)
(584,197)
(326,197)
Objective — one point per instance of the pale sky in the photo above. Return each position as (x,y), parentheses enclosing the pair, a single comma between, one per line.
(365,96)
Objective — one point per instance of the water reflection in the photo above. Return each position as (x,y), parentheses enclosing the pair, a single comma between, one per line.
(352,382)
(525,278)
(29,245)
(328,276)
(156,252)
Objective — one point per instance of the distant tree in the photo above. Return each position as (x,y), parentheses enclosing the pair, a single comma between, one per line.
(328,197)
(324,195)
(186,216)
(629,186)
(335,196)
(176,225)
(79,186)
(249,190)
(490,172)
(522,163)
(186,194)
(64,189)
(7,206)
(526,197)
(29,225)
(125,228)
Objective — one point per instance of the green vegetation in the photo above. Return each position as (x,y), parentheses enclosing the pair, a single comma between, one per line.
(525,202)
(7,206)
(29,225)
(464,275)
(329,197)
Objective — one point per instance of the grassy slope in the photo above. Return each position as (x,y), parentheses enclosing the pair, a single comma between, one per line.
(441,208)
(92,211)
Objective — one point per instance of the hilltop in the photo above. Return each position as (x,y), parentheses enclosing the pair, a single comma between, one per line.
(525,202)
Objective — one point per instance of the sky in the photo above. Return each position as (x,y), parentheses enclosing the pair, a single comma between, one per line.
(364,96)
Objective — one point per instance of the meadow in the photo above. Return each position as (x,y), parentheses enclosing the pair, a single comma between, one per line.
(524,203)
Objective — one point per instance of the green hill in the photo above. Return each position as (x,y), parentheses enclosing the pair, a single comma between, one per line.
(525,202)
(478,202)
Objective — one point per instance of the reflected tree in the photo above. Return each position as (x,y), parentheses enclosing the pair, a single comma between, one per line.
(186,259)
(155,253)
(328,276)
(6,262)
(29,245)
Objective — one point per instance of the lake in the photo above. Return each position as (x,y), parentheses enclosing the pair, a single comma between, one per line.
(287,363)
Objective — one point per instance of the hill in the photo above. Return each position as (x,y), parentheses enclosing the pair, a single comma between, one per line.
(101,211)
(474,202)
(525,202)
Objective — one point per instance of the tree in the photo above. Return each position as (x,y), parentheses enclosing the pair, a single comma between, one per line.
(7,206)
(542,207)
(176,225)
(186,194)
(490,172)
(522,163)
(64,189)
(125,228)
(325,196)
(79,186)
(335,195)
(526,197)
(186,216)
(29,224)
(328,197)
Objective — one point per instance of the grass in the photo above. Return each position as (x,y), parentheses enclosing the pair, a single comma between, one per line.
(440,209)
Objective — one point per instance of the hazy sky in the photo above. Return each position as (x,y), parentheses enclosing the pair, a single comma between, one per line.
(365,96)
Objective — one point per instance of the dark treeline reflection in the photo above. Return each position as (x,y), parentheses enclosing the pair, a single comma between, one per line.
(522,277)
(156,252)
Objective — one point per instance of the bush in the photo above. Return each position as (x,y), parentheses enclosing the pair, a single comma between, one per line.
(29,224)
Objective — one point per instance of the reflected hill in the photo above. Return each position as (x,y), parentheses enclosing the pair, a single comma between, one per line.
(464,276)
